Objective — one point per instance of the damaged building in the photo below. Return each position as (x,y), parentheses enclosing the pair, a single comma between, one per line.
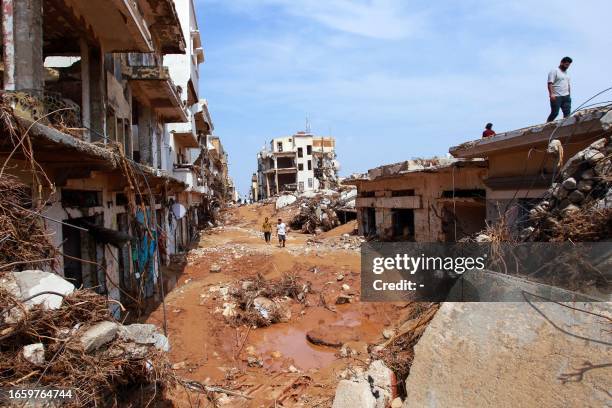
(503,176)
(524,163)
(422,200)
(104,124)
(298,163)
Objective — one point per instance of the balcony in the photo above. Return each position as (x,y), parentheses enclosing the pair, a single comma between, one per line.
(119,25)
(154,87)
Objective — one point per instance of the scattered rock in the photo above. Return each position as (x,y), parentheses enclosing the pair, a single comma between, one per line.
(339,277)
(483,238)
(354,394)
(569,183)
(325,336)
(292,369)
(593,156)
(344,299)
(214,268)
(98,335)
(276,354)
(388,333)
(34,353)
(576,197)
(144,334)
(346,287)
(253,361)
(179,366)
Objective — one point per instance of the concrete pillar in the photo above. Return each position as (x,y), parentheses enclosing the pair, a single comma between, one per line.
(145,135)
(85,85)
(97,94)
(22,37)
(93,91)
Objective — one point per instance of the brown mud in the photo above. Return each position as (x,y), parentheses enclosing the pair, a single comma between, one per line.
(275,366)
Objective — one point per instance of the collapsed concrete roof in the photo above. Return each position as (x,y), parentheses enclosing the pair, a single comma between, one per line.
(581,124)
(431,165)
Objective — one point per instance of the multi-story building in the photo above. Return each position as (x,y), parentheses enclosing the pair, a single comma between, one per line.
(111,118)
(302,162)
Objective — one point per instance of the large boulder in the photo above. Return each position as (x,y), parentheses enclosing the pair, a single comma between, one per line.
(510,355)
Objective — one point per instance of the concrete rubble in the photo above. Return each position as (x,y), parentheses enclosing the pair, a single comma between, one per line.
(35,354)
(584,188)
(316,212)
(71,326)
(372,389)
(31,284)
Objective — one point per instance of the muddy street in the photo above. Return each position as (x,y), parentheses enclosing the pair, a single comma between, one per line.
(323,334)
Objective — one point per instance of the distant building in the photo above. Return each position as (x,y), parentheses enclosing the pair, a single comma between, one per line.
(302,162)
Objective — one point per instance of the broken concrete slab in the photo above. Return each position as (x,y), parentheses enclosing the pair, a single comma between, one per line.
(509,355)
(98,335)
(147,334)
(382,379)
(34,353)
(354,394)
(28,284)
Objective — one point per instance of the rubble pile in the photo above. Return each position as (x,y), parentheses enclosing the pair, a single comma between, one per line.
(579,206)
(345,241)
(53,335)
(318,212)
(259,302)
(23,239)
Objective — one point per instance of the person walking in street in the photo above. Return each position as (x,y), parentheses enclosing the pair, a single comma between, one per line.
(488,132)
(281,231)
(559,90)
(267,230)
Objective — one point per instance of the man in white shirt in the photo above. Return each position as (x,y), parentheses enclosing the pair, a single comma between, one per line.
(281,231)
(559,90)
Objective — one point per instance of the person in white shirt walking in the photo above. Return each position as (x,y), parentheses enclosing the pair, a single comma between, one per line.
(559,90)
(281,231)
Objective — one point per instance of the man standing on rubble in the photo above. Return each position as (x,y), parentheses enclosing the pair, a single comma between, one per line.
(281,231)
(559,90)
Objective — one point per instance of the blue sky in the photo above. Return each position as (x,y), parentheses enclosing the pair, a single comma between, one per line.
(391,79)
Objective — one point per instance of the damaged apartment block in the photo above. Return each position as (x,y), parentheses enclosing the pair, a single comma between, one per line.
(298,163)
(117,146)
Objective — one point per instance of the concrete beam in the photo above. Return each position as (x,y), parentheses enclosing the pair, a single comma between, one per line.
(22,37)
(410,202)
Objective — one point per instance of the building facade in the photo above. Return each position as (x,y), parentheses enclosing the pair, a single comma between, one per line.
(105,93)
(298,163)
(434,200)
(523,163)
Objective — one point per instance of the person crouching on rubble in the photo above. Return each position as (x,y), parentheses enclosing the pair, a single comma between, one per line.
(488,132)
(267,230)
(281,231)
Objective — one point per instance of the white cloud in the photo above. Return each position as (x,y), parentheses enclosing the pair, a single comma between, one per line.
(358,68)
(378,19)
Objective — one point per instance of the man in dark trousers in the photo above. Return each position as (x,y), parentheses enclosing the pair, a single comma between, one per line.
(559,90)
